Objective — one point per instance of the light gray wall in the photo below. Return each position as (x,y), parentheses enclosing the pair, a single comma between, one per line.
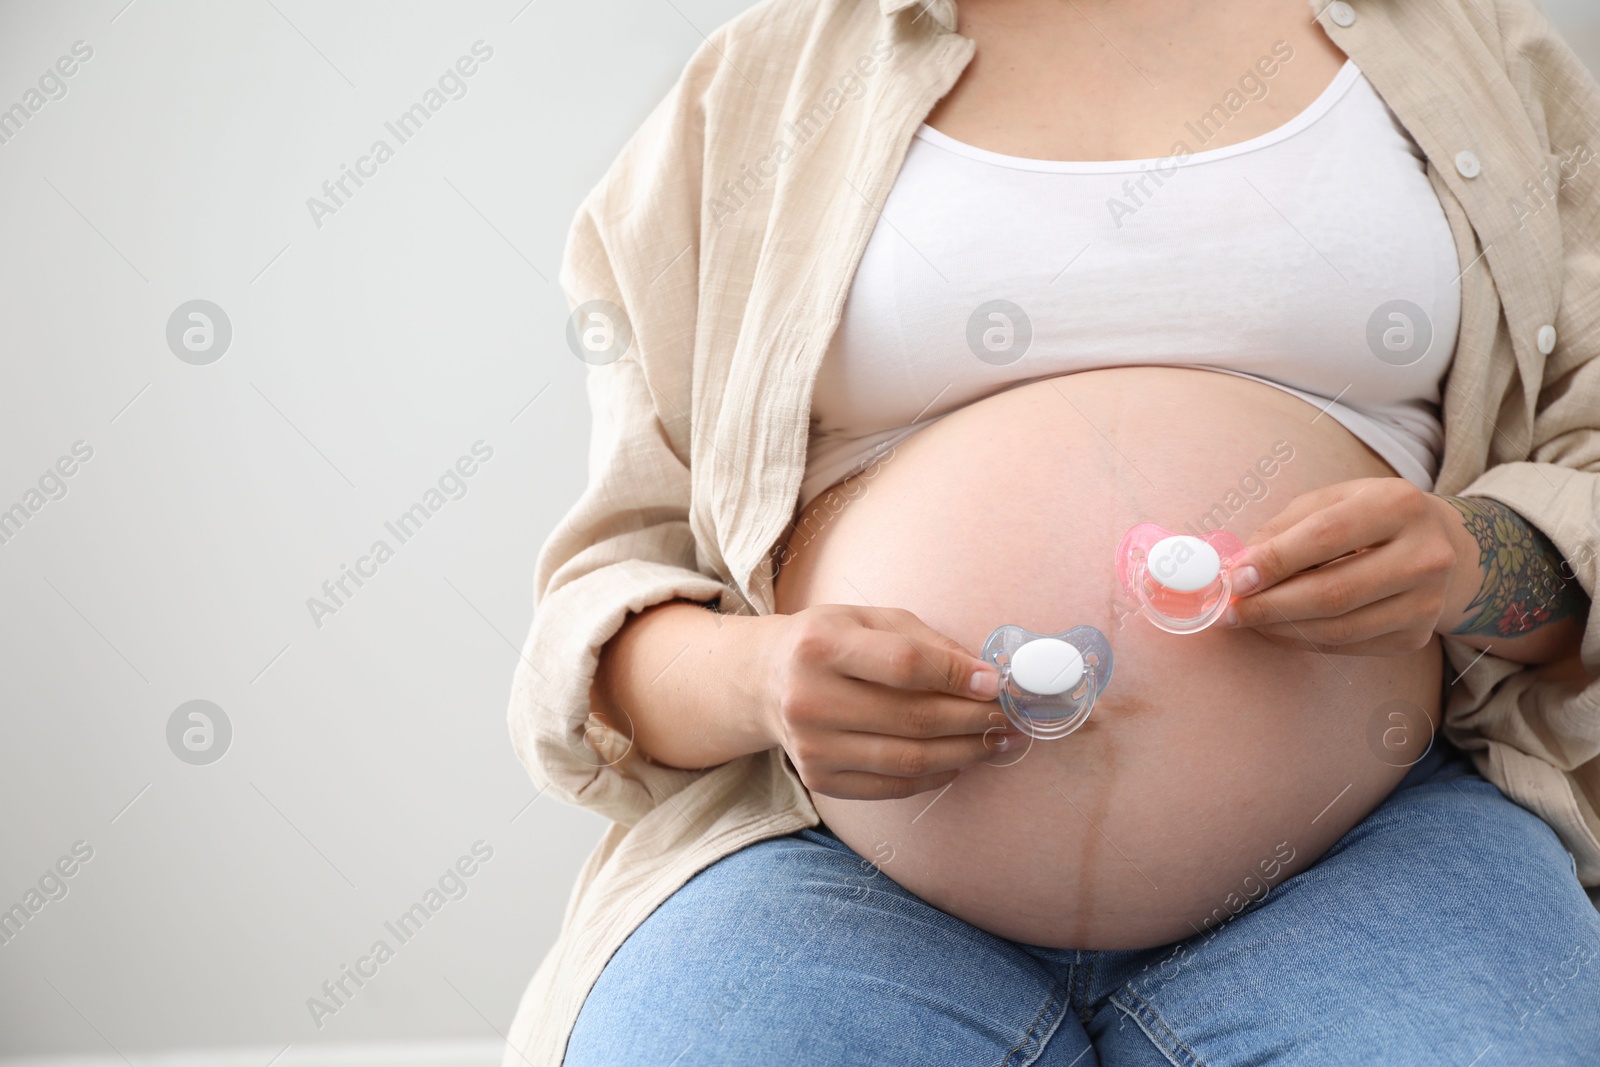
(1579,21)
(368,353)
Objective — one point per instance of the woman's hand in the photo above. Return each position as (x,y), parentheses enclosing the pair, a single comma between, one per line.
(1363,568)
(872,704)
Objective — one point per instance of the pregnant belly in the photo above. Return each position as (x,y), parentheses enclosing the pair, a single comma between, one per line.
(1217,764)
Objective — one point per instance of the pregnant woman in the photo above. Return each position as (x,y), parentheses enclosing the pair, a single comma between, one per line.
(900,315)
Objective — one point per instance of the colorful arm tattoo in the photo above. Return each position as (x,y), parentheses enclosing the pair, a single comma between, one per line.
(1523,587)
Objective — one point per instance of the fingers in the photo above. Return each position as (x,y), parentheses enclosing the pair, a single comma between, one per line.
(1388,627)
(1339,588)
(912,656)
(1294,511)
(1326,524)
(903,758)
(864,708)
(864,735)
(884,768)
(859,785)
(874,704)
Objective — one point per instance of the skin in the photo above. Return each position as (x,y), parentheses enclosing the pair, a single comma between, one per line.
(1118,79)
(1523,589)
(872,703)
(1376,566)
(1207,752)
(1145,68)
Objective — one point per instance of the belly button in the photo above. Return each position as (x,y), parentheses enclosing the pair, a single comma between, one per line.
(1181,583)
(1049,683)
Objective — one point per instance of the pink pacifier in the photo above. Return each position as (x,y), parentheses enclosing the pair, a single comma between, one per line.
(1180,582)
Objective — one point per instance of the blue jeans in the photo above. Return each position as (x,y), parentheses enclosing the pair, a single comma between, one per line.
(1446,928)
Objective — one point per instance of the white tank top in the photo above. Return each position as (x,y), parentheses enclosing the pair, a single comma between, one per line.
(1315,258)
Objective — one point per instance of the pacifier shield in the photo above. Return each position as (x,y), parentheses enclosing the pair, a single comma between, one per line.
(1180,582)
(1049,683)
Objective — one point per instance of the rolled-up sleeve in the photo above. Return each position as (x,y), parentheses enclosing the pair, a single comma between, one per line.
(1539,727)
(626,544)
(1556,486)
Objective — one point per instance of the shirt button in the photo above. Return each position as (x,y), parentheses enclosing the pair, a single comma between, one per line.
(1341,13)
(1547,340)
(1467,164)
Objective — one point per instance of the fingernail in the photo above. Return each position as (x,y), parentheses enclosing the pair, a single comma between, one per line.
(1245,580)
(986,683)
(1230,617)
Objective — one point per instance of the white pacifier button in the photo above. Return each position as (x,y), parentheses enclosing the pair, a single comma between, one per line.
(1047,666)
(1184,564)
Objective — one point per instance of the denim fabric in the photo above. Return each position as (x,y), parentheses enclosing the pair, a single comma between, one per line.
(1446,928)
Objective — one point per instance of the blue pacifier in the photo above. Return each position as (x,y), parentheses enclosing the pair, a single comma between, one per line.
(1049,683)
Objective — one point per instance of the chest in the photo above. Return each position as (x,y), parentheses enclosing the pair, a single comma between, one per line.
(1104,81)
(1286,257)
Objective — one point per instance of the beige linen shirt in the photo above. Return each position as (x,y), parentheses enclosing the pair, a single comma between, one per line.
(728,231)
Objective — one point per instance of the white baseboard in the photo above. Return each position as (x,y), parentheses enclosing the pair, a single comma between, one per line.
(411,1054)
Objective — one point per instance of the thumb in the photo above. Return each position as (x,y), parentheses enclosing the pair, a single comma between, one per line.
(1272,560)
(1296,509)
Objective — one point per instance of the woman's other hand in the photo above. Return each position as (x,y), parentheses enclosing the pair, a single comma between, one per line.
(1376,567)
(873,704)
(1364,568)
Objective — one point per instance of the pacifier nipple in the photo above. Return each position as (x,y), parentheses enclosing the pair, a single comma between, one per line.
(1047,666)
(1180,582)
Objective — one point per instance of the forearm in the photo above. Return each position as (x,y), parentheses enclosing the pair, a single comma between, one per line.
(684,682)
(1511,593)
